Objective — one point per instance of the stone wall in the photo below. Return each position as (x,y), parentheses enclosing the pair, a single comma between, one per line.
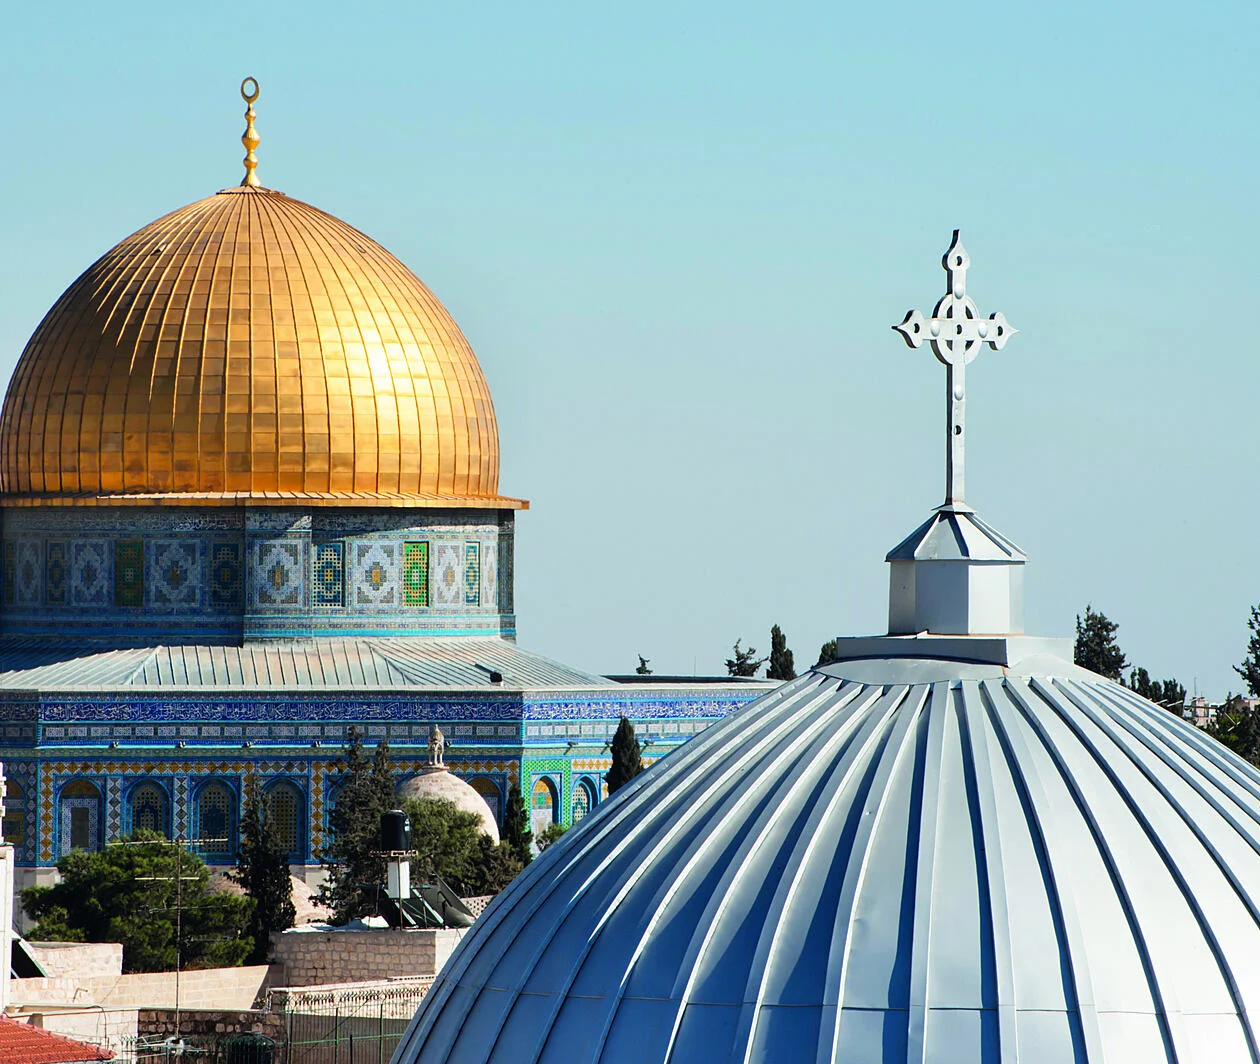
(78,960)
(160,1023)
(208,988)
(312,958)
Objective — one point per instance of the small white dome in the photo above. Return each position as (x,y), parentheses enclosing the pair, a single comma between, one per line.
(436,782)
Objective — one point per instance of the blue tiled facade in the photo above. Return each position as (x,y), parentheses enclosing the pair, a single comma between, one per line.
(97,739)
(184,744)
(220,574)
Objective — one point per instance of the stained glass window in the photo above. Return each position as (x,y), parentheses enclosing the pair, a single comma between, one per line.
(14,816)
(148,809)
(583,799)
(285,815)
(215,821)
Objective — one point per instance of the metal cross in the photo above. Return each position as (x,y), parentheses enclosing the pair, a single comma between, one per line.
(956,332)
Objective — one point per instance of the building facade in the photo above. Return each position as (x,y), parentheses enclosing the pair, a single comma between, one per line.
(248,499)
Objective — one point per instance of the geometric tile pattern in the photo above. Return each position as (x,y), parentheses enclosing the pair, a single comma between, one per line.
(175,577)
(415,574)
(375,574)
(472,574)
(129,572)
(89,572)
(113,809)
(329,581)
(226,580)
(448,575)
(56,573)
(490,576)
(30,572)
(278,573)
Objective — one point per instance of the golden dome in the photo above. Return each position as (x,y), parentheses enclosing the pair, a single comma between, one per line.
(249,347)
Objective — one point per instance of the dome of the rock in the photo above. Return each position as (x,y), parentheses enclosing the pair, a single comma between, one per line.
(436,782)
(249,347)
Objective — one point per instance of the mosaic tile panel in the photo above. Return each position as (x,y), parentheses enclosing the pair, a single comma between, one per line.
(226,581)
(56,573)
(472,574)
(448,575)
(375,574)
(113,809)
(10,572)
(415,574)
(129,572)
(89,572)
(30,572)
(328,584)
(277,576)
(490,576)
(175,576)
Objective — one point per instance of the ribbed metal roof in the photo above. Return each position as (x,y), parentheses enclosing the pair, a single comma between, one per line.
(887,860)
(332,663)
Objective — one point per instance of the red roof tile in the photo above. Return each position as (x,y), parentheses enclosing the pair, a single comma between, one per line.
(20,1043)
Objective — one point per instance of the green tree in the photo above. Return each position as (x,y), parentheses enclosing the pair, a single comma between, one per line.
(516,832)
(1238,727)
(366,792)
(827,653)
(449,842)
(551,833)
(1168,693)
(643,669)
(745,662)
(262,869)
(127,893)
(1249,670)
(627,757)
(782,667)
(1096,648)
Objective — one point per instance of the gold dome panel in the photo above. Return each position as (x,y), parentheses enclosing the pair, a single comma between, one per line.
(249,348)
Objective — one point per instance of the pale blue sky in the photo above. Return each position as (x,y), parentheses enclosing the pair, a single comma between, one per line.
(677,236)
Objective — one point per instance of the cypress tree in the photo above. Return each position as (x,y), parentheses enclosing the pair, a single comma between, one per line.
(366,793)
(1249,670)
(827,653)
(782,667)
(1096,647)
(627,758)
(262,868)
(516,832)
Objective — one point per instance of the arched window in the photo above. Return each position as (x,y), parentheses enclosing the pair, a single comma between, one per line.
(543,805)
(150,811)
(583,799)
(79,816)
(284,813)
(14,814)
(489,790)
(216,821)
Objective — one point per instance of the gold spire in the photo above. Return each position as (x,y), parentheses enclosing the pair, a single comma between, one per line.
(250,137)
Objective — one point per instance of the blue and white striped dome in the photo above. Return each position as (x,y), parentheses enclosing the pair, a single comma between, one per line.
(889,859)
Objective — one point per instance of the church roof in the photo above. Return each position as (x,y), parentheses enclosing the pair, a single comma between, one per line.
(950,862)
(395,663)
(950,845)
(249,348)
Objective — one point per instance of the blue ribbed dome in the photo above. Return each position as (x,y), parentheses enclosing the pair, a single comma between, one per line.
(886,860)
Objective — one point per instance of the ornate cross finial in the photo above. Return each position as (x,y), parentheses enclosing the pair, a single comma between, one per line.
(956,332)
(250,137)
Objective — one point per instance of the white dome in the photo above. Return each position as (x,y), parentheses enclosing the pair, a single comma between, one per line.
(436,782)
(888,860)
